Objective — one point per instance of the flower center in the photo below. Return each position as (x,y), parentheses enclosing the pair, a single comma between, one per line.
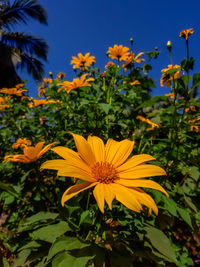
(104,172)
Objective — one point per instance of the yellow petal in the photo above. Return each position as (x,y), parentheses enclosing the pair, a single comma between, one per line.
(97,147)
(99,196)
(140,171)
(72,158)
(84,149)
(30,152)
(64,169)
(125,196)
(38,147)
(46,148)
(118,152)
(146,200)
(134,161)
(74,190)
(142,183)
(109,195)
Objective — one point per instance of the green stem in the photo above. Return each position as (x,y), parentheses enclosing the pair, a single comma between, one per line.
(88,200)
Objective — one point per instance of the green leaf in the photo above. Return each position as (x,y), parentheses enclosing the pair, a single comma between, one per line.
(105,107)
(170,205)
(51,232)
(41,216)
(65,259)
(32,244)
(5,263)
(185,216)
(161,242)
(22,257)
(65,243)
(9,189)
(194,172)
(85,217)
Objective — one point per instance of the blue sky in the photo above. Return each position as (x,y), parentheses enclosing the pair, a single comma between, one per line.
(92,26)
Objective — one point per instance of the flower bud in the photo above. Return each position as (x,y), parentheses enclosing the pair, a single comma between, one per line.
(50,74)
(131,40)
(169,45)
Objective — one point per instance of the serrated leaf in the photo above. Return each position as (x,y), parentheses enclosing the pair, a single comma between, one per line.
(161,242)
(51,232)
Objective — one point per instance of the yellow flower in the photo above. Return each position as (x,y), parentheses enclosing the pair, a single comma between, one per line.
(109,65)
(136,82)
(153,125)
(107,169)
(186,33)
(13,91)
(21,143)
(31,153)
(131,58)
(47,80)
(76,83)
(170,95)
(60,75)
(83,62)
(118,52)
(167,78)
(38,102)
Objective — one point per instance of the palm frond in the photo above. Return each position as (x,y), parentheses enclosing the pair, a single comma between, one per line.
(31,64)
(27,43)
(20,11)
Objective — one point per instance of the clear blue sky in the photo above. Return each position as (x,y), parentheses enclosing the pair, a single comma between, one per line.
(92,26)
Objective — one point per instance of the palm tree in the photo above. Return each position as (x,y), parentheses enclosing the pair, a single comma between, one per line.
(17,49)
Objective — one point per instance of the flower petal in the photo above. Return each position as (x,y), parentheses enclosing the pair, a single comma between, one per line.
(109,195)
(118,152)
(97,147)
(84,149)
(126,197)
(72,158)
(74,190)
(142,183)
(65,169)
(45,149)
(140,171)
(98,193)
(146,200)
(134,161)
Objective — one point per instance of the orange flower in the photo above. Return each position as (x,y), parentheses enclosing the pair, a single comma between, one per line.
(168,78)
(136,82)
(107,168)
(76,83)
(21,143)
(186,33)
(170,95)
(131,58)
(13,91)
(153,125)
(118,52)
(82,62)
(47,80)
(60,75)
(39,102)
(31,153)
(109,65)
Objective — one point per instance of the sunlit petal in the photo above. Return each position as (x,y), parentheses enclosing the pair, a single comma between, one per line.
(74,190)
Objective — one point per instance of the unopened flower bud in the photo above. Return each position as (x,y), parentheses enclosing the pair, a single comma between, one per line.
(131,40)
(169,45)
(50,74)
(156,48)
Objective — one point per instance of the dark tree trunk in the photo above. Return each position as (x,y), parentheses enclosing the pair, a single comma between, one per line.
(8,75)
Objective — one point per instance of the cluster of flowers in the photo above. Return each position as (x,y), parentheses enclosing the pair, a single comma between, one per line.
(153,125)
